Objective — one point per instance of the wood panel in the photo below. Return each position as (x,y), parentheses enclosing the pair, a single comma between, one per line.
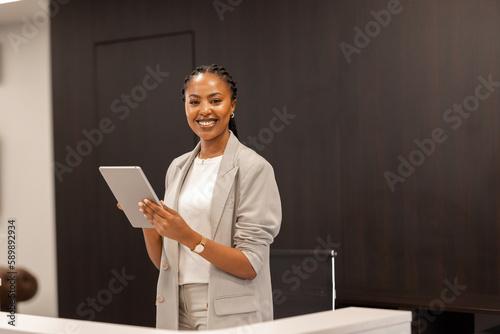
(349,122)
(441,223)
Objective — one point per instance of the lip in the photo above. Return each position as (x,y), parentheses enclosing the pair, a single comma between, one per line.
(207,123)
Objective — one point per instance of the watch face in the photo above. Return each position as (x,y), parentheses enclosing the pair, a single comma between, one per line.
(199,248)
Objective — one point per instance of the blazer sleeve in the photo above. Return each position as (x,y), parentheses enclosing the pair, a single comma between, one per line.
(258,213)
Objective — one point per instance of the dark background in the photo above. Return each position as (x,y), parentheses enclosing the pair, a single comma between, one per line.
(352,121)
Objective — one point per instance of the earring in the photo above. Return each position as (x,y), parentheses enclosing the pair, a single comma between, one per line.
(232,115)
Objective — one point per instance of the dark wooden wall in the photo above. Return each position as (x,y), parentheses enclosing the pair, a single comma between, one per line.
(349,121)
(402,245)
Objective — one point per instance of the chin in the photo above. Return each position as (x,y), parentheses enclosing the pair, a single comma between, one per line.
(210,135)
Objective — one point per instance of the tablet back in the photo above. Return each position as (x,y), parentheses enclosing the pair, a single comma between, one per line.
(130,186)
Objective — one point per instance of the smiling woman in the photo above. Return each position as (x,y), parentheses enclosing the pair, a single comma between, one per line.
(220,213)
(209,106)
(220,86)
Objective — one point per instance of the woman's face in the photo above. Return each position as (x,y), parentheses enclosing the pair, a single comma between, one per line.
(208,106)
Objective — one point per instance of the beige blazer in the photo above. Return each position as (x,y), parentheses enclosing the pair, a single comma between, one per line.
(245,214)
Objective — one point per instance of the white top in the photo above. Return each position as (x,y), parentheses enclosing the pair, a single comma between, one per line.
(194,207)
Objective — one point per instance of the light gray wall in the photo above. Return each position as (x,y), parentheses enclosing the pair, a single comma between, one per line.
(26,157)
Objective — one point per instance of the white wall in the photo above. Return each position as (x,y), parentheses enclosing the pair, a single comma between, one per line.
(26,157)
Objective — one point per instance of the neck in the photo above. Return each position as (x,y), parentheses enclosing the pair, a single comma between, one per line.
(214,147)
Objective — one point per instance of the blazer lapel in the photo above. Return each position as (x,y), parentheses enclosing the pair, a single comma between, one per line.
(223,184)
(180,176)
(173,197)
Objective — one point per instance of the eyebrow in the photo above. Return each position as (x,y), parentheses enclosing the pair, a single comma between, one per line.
(213,94)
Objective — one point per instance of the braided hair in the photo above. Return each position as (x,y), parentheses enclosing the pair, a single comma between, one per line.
(224,75)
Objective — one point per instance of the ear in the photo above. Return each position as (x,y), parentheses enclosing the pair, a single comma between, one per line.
(233,105)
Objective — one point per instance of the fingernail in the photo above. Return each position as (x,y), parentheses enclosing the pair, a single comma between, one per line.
(146,201)
(141,210)
(140,203)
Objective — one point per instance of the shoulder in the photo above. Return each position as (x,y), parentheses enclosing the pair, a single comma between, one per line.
(180,160)
(176,165)
(250,161)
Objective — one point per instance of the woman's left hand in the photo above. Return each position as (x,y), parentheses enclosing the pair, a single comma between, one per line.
(167,222)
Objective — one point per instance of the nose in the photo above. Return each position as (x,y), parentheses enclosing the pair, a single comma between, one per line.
(205,108)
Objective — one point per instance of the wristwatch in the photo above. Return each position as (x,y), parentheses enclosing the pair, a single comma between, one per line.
(201,246)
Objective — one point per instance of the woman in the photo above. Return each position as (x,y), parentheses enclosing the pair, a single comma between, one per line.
(220,213)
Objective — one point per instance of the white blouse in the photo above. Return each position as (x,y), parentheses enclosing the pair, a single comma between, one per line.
(194,207)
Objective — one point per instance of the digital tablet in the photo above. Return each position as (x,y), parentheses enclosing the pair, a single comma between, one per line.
(130,186)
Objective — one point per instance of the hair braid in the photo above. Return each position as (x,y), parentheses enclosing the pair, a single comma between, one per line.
(224,75)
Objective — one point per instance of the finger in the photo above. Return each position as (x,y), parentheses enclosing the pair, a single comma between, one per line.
(156,224)
(151,220)
(150,204)
(172,211)
(148,215)
(145,209)
(119,206)
(156,209)
(155,215)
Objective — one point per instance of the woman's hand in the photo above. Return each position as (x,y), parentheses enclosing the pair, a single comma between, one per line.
(169,223)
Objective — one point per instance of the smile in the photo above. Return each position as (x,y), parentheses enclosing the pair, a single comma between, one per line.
(207,124)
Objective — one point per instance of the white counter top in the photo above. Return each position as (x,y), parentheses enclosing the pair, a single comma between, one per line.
(342,321)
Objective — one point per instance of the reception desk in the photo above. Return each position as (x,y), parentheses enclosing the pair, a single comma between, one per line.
(343,321)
